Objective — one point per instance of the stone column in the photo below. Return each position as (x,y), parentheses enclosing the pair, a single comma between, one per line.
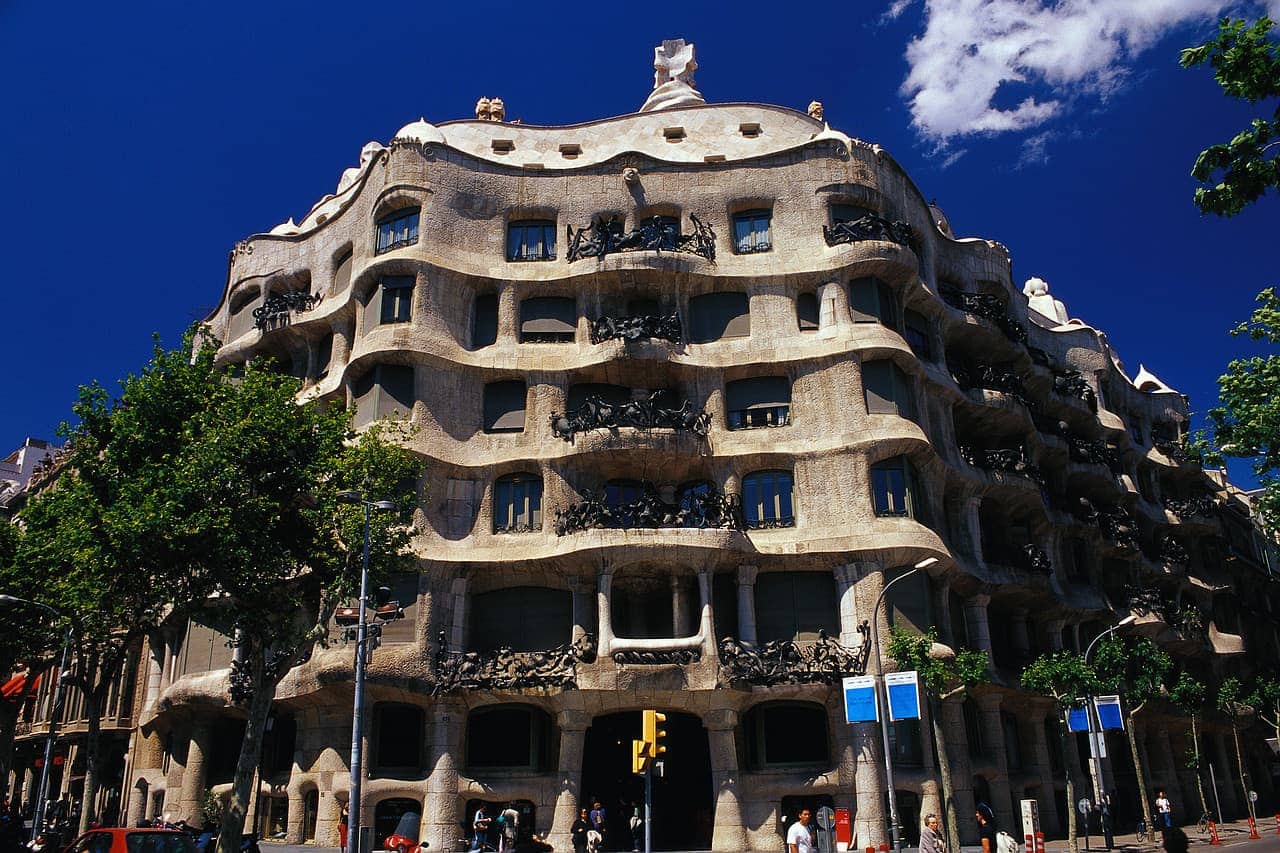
(1044,766)
(508,313)
(833,309)
(993,729)
(1053,634)
(193,772)
(975,614)
(1019,634)
(441,811)
(961,768)
(573,737)
(155,673)
(328,816)
(729,833)
(458,625)
(706,619)
(581,608)
(679,607)
(747,604)
(604,593)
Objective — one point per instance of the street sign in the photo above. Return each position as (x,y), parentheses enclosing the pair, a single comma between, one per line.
(903,690)
(1083,805)
(826,817)
(825,838)
(860,699)
(844,829)
(1078,719)
(1109,715)
(1253,796)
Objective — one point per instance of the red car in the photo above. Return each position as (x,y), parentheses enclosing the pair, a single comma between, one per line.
(120,839)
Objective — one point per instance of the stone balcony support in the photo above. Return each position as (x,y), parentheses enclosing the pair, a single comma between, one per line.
(729,833)
(440,813)
(573,727)
(993,734)
(194,773)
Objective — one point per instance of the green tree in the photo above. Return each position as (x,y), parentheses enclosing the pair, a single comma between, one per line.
(1190,695)
(944,673)
(1246,63)
(1136,669)
(1234,703)
(1064,677)
(1265,699)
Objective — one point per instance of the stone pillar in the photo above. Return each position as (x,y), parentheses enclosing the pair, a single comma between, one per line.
(833,309)
(193,772)
(706,620)
(138,796)
(1019,634)
(604,593)
(747,604)
(993,730)
(508,315)
(1044,767)
(961,768)
(441,811)
(458,625)
(155,673)
(729,832)
(679,607)
(1053,634)
(573,737)
(328,816)
(975,614)
(581,608)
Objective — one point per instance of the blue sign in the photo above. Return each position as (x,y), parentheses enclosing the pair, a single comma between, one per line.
(904,695)
(860,699)
(1078,719)
(1109,715)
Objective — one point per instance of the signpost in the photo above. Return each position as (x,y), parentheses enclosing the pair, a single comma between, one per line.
(1083,805)
(860,699)
(826,818)
(903,690)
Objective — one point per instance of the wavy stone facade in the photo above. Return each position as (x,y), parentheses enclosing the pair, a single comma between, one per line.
(876,393)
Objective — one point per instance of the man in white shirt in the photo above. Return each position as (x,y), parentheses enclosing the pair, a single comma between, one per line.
(799,838)
(1165,810)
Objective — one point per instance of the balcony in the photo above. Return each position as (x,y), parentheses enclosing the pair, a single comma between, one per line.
(657,233)
(1201,506)
(869,227)
(655,327)
(278,309)
(1118,525)
(824,661)
(988,307)
(599,413)
(1009,460)
(696,508)
(989,377)
(1027,557)
(1072,385)
(1171,552)
(505,669)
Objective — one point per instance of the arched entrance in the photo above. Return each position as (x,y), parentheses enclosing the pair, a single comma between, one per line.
(683,803)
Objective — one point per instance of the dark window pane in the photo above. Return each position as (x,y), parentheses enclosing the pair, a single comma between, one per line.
(342,273)
(396,299)
(719,315)
(785,733)
(507,737)
(524,618)
(766,499)
(889,487)
(616,395)
(399,736)
(484,322)
(807,312)
(752,231)
(397,389)
(504,406)
(548,319)
(531,240)
(847,213)
(761,401)
(517,503)
(397,230)
(916,331)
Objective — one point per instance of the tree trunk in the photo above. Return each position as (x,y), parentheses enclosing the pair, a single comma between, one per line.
(1140,770)
(8,725)
(264,691)
(1072,844)
(1244,785)
(944,773)
(1195,748)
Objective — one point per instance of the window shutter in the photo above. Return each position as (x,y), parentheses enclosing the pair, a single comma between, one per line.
(758,392)
(864,300)
(877,385)
(548,315)
(904,393)
(484,321)
(364,399)
(888,306)
(373,308)
(324,355)
(719,315)
(342,274)
(404,589)
(807,312)
(504,406)
(397,394)
(616,395)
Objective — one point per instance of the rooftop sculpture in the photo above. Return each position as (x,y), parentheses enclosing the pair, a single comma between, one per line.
(673,67)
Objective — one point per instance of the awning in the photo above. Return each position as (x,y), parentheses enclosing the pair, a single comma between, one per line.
(19,686)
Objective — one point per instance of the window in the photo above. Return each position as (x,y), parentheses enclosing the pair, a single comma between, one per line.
(666,232)
(959,624)
(614,395)
(848,213)
(531,240)
(761,401)
(1078,555)
(872,301)
(522,618)
(399,737)
(504,404)
(324,355)
(396,298)
(973,729)
(517,504)
(342,272)
(766,500)
(719,315)
(910,603)
(386,389)
(905,743)
(508,736)
(892,488)
(1012,746)
(620,493)
(795,605)
(1135,432)
(147,842)
(397,816)
(787,733)
(915,328)
(241,318)
(888,391)
(484,321)
(398,230)
(807,312)
(548,320)
(751,231)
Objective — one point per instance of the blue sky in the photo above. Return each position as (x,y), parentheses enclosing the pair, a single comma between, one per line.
(142,140)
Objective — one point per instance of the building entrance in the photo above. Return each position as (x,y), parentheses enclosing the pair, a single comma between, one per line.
(683,802)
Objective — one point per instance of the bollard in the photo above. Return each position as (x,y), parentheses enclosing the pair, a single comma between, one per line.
(1030,845)
(1253,828)
(1278,824)
(1039,842)
(1213,835)
(870,849)
(884,847)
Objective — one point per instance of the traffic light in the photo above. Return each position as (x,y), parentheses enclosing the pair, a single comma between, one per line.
(651,734)
(639,757)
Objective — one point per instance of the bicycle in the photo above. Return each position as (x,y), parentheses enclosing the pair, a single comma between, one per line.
(1202,825)
(1143,833)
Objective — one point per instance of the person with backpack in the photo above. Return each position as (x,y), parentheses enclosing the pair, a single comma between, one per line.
(986,828)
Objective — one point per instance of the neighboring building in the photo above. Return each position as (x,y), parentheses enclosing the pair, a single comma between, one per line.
(689,383)
(19,467)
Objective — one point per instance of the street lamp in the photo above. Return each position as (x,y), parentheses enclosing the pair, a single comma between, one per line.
(362,636)
(1090,712)
(42,796)
(882,710)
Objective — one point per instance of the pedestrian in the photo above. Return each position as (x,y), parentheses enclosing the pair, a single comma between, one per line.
(510,826)
(986,827)
(799,836)
(1164,809)
(1174,840)
(637,829)
(931,835)
(1104,817)
(599,820)
(578,832)
(480,826)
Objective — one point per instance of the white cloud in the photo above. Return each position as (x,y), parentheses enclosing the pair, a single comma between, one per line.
(1034,151)
(897,7)
(1062,48)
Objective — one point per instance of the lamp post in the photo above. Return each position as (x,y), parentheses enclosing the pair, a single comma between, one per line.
(882,706)
(362,636)
(42,795)
(1090,713)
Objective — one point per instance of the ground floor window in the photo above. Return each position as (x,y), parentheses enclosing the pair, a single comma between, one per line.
(273,818)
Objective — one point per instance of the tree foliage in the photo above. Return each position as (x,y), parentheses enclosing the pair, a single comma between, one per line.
(940,675)
(1246,64)
(1136,669)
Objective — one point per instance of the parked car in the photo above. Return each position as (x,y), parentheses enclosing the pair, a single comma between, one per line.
(132,840)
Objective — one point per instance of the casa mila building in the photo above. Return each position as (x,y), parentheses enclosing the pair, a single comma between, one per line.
(689,386)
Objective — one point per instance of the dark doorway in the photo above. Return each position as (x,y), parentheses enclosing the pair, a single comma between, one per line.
(682,798)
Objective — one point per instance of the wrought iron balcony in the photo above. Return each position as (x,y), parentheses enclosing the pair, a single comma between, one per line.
(1071,383)
(656,657)
(1029,557)
(1203,506)
(760,418)
(1166,439)
(702,509)
(988,307)
(825,661)
(1169,551)
(657,327)
(1011,460)
(869,227)
(605,237)
(277,309)
(1118,525)
(989,377)
(1149,601)
(1090,450)
(507,669)
(598,413)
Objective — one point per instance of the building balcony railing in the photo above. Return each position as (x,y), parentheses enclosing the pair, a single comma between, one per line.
(598,413)
(605,237)
(989,377)
(869,227)
(988,307)
(1028,557)
(1203,506)
(507,669)
(277,310)
(1118,525)
(656,327)
(824,661)
(1071,383)
(1011,460)
(759,418)
(706,508)
(1171,552)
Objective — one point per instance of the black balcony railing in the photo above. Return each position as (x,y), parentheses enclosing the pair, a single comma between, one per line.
(506,669)
(990,377)
(825,661)
(1169,551)
(656,327)
(277,309)
(1071,383)
(598,413)
(869,227)
(1011,460)
(1118,525)
(1203,506)
(988,307)
(1091,450)
(704,508)
(605,237)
